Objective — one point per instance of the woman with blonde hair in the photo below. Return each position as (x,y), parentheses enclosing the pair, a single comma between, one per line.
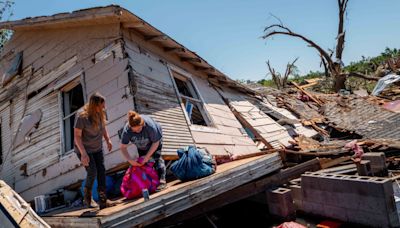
(89,129)
(146,134)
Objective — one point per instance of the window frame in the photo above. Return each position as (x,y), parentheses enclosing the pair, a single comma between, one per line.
(66,87)
(176,72)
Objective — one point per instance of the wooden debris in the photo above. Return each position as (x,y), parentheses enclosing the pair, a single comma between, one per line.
(245,191)
(328,162)
(19,212)
(308,94)
(305,143)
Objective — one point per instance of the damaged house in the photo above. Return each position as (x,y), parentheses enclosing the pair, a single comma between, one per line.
(52,64)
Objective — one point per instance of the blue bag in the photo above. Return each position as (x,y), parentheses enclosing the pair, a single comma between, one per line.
(193,164)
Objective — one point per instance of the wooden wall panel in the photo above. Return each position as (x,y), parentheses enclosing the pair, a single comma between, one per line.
(7,167)
(156,97)
(55,55)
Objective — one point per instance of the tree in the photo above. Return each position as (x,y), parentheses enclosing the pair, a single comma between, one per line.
(279,80)
(333,66)
(5,12)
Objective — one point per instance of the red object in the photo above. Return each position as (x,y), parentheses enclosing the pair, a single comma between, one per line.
(138,178)
(329,224)
(393,106)
(291,225)
(358,151)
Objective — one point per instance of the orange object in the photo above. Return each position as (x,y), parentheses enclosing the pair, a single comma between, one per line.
(329,224)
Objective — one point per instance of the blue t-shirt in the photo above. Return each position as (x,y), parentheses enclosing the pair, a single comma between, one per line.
(151,132)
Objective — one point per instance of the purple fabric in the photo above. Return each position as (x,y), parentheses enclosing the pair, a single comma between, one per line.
(138,178)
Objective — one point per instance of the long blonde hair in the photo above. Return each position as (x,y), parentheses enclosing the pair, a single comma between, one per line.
(90,110)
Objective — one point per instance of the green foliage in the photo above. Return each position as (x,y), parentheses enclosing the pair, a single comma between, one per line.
(267,83)
(5,12)
(369,65)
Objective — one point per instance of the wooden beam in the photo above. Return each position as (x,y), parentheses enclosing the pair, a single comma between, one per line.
(174,49)
(334,162)
(208,69)
(211,76)
(156,38)
(89,222)
(136,24)
(308,94)
(189,59)
(244,191)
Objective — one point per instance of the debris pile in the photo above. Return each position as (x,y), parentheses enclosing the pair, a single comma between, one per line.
(357,147)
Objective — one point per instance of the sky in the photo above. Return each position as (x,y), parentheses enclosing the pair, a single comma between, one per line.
(227,33)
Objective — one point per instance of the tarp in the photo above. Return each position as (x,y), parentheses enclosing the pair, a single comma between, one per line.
(383,82)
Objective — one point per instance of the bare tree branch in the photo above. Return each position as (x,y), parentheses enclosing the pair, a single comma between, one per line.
(321,51)
(275,77)
(279,80)
(359,75)
(277,18)
(276,26)
(289,68)
(332,67)
(323,62)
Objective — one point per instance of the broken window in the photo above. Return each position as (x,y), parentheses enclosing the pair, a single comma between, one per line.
(13,70)
(72,101)
(190,99)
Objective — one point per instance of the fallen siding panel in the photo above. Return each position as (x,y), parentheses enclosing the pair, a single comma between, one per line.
(270,131)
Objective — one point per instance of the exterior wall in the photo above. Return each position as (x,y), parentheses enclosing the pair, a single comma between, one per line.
(5,142)
(102,60)
(156,96)
(50,58)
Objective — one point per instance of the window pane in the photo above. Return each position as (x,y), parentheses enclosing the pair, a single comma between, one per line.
(193,107)
(197,117)
(69,133)
(183,88)
(72,101)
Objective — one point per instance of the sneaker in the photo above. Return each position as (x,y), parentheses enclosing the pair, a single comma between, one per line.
(161,187)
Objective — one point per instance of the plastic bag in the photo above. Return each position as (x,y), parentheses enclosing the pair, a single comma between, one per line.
(193,164)
(138,178)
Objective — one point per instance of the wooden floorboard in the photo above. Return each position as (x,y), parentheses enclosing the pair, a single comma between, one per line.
(178,196)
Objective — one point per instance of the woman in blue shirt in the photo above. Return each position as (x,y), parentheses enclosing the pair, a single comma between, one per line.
(146,134)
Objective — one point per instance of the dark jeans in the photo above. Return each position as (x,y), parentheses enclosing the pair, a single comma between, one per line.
(159,164)
(95,168)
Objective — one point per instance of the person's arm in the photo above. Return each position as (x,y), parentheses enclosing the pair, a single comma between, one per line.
(107,138)
(124,151)
(78,142)
(151,151)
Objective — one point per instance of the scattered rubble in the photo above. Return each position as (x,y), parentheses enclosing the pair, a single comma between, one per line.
(358,150)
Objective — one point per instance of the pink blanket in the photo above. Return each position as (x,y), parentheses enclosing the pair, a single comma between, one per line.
(138,178)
